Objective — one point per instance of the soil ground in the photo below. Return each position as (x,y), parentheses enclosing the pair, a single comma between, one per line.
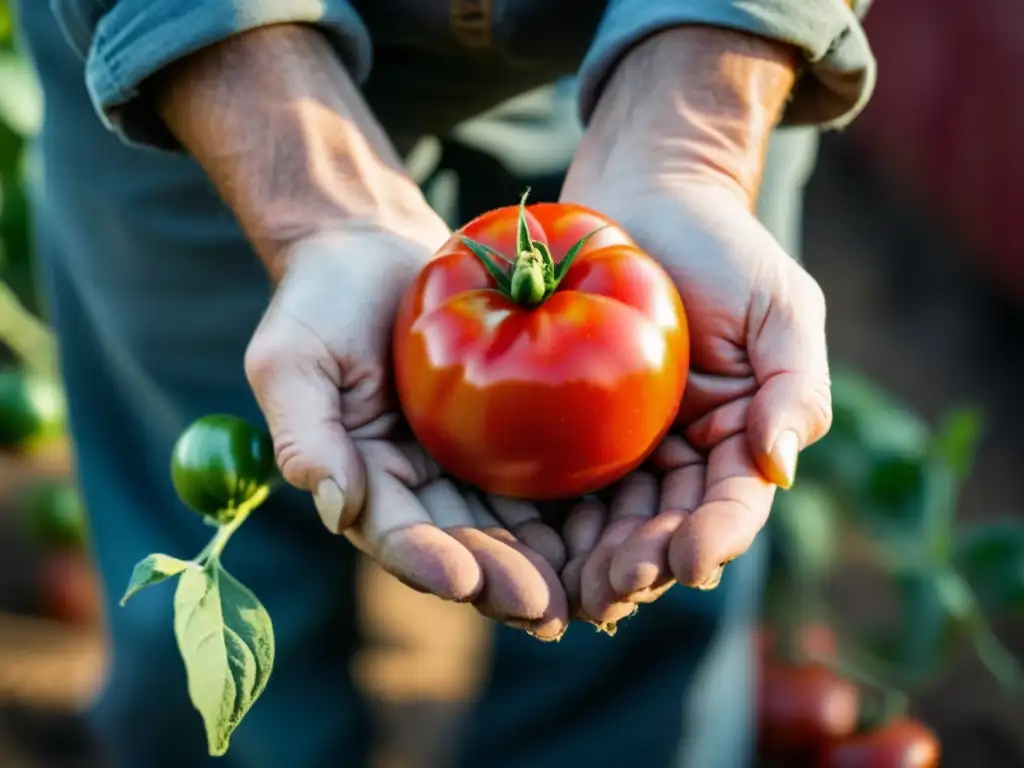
(906,306)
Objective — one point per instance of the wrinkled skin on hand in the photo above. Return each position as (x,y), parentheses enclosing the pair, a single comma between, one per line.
(319,364)
(758,390)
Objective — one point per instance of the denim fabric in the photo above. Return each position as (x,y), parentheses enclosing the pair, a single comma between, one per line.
(442,61)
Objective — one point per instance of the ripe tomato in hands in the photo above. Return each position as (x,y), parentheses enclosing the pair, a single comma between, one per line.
(535,362)
(902,743)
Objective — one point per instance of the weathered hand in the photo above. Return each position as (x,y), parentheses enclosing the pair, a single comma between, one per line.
(319,364)
(680,175)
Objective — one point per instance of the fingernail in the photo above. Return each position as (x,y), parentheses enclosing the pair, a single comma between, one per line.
(713,580)
(329,501)
(543,639)
(530,628)
(783,459)
(604,627)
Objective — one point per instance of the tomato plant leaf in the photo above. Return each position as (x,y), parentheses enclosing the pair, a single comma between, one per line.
(226,640)
(804,525)
(570,256)
(956,440)
(931,622)
(484,253)
(871,418)
(152,570)
(990,556)
(21,101)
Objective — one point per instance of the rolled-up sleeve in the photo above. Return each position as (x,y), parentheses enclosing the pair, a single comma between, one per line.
(125,42)
(838,75)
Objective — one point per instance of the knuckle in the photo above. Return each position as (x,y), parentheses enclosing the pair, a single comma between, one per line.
(293,462)
(811,293)
(818,404)
(261,359)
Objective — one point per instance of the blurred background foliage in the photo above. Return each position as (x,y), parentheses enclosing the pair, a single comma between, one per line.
(20,116)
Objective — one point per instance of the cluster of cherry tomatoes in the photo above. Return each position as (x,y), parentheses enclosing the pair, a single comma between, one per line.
(810,716)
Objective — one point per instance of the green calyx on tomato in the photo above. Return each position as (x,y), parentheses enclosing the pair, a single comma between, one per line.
(534,275)
(222,464)
(32,409)
(223,468)
(55,516)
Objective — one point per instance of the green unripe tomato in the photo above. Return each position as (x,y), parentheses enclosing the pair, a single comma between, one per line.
(221,463)
(54,515)
(32,409)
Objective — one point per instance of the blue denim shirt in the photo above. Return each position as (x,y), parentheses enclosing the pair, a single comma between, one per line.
(407,52)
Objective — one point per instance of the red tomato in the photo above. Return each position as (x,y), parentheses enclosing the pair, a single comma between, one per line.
(815,640)
(903,743)
(800,708)
(541,400)
(69,587)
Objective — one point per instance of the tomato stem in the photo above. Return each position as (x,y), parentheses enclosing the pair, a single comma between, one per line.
(528,285)
(216,545)
(535,276)
(25,335)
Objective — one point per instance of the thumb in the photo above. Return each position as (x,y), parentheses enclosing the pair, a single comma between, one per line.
(793,404)
(295,381)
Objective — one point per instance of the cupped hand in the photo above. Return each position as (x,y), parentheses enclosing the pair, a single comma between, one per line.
(758,390)
(319,365)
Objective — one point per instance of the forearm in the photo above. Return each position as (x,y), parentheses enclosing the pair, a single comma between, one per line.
(695,102)
(285,136)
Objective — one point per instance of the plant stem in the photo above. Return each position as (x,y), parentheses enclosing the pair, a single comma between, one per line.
(1000,662)
(28,338)
(213,550)
(527,286)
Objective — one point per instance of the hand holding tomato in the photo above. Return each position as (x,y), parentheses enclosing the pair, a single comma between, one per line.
(673,154)
(320,368)
(542,355)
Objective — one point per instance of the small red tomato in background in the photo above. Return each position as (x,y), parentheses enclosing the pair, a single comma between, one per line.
(69,588)
(902,743)
(533,368)
(802,707)
(818,640)
(68,585)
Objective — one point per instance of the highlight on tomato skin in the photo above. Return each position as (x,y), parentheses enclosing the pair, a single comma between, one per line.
(903,743)
(544,367)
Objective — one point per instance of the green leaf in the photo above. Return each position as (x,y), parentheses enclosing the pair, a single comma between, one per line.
(804,526)
(990,556)
(908,507)
(226,640)
(545,256)
(871,418)
(956,440)
(523,238)
(570,257)
(21,101)
(486,255)
(932,619)
(153,570)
